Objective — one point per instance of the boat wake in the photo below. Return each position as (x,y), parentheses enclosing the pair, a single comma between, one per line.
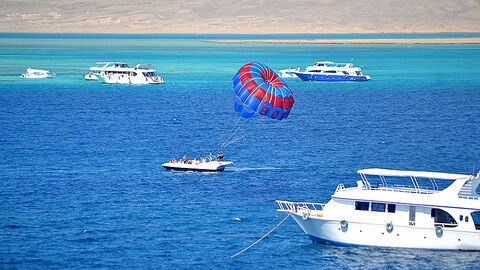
(255,169)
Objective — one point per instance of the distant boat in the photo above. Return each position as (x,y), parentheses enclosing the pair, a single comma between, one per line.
(197,165)
(289,72)
(36,74)
(390,215)
(126,73)
(330,71)
(90,77)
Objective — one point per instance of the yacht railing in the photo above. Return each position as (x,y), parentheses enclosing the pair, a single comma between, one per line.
(398,188)
(286,206)
(406,190)
(469,197)
(342,187)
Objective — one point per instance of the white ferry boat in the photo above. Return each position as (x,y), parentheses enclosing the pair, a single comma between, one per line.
(198,165)
(396,216)
(36,74)
(330,71)
(126,73)
(288,73)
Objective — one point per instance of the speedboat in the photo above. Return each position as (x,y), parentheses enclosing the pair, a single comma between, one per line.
(289,72)
(90,77)
(36,74)
(445,216)
(330,71)
(198,165)
(126,73)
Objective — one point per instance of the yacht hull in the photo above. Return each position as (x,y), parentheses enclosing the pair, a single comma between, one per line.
(325,231)
(306,76)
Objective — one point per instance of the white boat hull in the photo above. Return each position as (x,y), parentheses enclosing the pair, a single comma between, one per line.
(213,166)
(125,79)
(369,234)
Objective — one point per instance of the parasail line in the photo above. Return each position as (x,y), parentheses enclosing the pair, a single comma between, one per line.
(239,118)
(231,135)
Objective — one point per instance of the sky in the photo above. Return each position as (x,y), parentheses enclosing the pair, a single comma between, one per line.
(239,16)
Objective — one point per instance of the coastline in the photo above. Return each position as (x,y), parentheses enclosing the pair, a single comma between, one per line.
(358,41)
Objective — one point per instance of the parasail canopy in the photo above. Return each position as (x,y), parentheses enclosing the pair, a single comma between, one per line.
(259,91)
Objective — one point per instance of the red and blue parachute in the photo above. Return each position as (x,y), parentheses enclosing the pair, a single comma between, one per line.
(259,91)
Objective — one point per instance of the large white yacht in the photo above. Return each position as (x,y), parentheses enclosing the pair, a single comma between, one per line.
(126,73)
(32,73)
(388,215)
(330,71)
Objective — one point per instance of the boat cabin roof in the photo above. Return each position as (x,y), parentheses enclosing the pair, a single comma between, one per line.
(419,174)
(123,64)
(332,64)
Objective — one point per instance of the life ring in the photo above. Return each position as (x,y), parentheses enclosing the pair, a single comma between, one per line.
(439,231)
(389,227)
(344,223)
(305,216)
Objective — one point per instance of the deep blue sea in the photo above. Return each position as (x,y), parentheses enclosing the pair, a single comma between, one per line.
(81,181)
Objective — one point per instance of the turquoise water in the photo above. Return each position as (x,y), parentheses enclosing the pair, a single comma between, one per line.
(80,162)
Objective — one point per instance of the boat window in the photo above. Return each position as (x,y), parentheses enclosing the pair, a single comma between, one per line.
(466,218)
(461,217)
(391,208)
(362,206)
(330,71)
(441,217)
(148,74)
(378,207)
(476,219)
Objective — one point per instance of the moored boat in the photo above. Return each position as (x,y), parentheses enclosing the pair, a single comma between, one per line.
(126,73)
(396,216)
(330,71)
(32,73)
(288,73)
(90,77)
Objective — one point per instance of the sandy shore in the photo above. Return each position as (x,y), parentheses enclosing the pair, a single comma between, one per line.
(359,41)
